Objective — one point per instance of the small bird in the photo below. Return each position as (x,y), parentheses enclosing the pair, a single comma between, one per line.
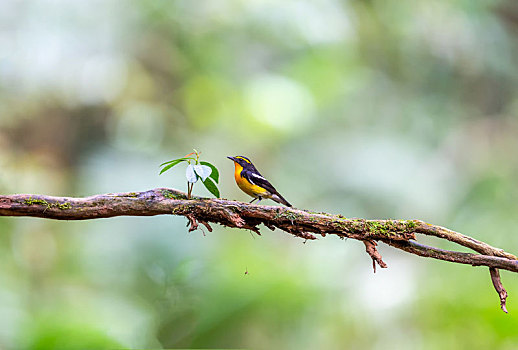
(250,180)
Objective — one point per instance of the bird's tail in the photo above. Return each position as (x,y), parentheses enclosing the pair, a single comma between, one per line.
(280,199)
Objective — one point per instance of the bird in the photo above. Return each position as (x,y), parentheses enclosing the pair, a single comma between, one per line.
(250,181)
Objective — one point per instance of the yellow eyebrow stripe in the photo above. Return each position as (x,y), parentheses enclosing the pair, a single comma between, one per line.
(246,160)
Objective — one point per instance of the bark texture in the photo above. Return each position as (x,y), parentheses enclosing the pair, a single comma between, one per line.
(400,234)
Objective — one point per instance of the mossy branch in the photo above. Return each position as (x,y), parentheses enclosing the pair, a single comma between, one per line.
(400,234)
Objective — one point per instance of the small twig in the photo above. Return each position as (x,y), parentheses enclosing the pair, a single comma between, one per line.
(370,248)
(497,283)
(193,222)
(206,224)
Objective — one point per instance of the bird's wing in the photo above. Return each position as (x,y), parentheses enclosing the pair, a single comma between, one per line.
(258,180)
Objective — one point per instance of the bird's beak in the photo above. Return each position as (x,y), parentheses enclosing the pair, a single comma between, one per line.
(231,158)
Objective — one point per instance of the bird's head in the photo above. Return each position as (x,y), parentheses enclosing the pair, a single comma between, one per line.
(243,161)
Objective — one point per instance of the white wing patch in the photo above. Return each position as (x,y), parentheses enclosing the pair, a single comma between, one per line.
(252,176)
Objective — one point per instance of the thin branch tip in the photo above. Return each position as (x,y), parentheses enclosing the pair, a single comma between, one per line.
(370,248)
(499,287)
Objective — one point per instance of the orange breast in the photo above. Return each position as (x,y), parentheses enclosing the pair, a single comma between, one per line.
(247,187)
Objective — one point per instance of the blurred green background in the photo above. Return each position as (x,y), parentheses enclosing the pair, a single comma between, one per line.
(374,109)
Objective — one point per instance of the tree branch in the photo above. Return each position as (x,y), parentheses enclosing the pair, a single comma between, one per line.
(457,257)
(400,234)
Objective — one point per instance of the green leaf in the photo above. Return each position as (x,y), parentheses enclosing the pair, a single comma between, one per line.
(171,161)
(211,187)
(179,160)
(170,165)
(215,172)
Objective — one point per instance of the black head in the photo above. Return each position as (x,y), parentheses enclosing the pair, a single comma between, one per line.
(241,160)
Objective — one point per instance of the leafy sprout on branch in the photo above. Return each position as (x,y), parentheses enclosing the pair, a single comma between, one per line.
(196,170)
